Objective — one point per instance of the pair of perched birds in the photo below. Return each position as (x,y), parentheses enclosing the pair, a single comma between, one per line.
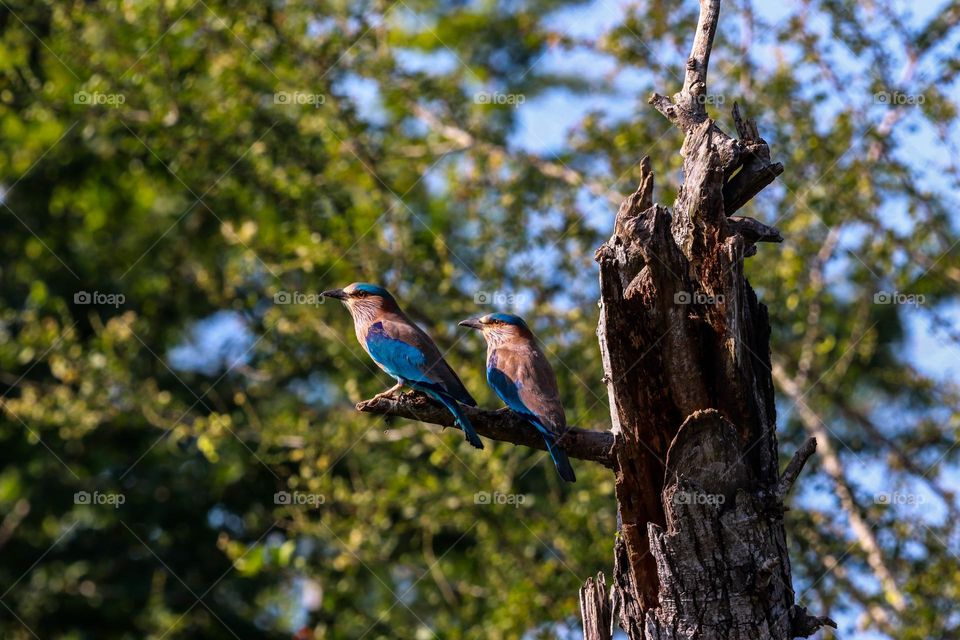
(517,370)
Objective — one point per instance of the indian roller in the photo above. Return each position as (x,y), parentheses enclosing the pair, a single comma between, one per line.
(522,377)
(404,350)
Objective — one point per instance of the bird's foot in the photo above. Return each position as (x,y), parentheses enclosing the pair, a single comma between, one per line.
(389,393)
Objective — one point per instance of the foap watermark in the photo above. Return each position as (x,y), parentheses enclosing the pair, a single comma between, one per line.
(299,499)
(897,498)
(99,99)
(98,297)
(98,498)
(298,297)
(495,97)
(898,297)
(299,98)
(512,499)
(710,99)
(696,497)
(897,99)
(697,297)
(498,298)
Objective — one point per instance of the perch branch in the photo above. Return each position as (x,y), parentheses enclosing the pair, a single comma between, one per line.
(502,425)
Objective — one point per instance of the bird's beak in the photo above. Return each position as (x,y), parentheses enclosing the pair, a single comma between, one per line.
(339,294)
(472,323)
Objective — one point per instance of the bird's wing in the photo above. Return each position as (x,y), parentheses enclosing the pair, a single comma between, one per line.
(405,351)
(524,380)
(398,358)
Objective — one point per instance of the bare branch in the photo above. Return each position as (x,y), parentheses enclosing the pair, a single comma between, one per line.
(688,107)
(795,466)
(695,80)
(754,230)
(805,625)
(757,170)
(502,425)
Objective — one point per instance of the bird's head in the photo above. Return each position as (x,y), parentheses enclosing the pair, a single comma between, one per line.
(499,327)
(363,298)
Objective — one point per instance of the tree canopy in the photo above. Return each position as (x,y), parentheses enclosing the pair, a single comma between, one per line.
(180,452)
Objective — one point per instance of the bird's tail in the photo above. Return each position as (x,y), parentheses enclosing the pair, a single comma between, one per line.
(560,459)
(461,420)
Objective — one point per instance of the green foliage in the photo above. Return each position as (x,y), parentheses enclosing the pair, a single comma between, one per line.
(201,158)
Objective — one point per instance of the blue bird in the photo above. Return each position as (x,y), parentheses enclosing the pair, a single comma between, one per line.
(404,351)
(523,378)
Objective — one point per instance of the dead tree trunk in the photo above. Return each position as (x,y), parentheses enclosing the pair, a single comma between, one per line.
(701,549)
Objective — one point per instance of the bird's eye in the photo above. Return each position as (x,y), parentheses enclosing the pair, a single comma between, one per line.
(360,294)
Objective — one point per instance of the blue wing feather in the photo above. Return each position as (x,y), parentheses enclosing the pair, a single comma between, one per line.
(415,363)
(509,391)
(410,365)
(399,359)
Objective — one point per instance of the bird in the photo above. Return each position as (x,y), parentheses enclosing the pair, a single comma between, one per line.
(404,350)
(522,377)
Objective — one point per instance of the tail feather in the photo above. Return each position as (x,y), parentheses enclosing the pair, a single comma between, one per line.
(560,459)
(461,420)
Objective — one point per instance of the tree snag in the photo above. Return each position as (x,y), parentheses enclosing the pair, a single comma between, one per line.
(701,549)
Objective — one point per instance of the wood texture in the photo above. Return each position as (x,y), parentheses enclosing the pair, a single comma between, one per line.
(595,604)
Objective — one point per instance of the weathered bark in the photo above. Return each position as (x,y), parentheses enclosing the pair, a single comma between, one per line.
(701,550)
(595,606)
